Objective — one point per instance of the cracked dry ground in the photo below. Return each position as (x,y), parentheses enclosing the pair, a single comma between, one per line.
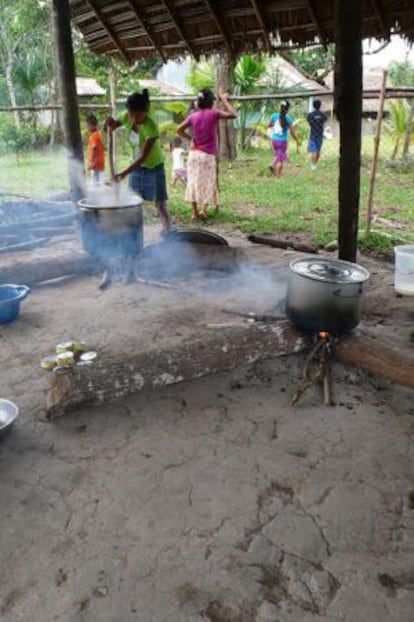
(214,501)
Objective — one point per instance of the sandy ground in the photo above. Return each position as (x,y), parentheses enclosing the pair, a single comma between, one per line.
(126,318)
(214,500)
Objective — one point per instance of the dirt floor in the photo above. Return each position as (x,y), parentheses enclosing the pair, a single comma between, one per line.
(214,500)
(124,319)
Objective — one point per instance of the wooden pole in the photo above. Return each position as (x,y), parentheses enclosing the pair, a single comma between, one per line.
(112,135)
(224,84)
(348,104)
(67,87)
(408,130)
(390,94)
(377,140)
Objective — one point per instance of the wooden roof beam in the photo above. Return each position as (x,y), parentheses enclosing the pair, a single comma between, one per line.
(258,10)
(148,32)
(111,35)
(314,18)
(175,20)
(220,28)
(379,12)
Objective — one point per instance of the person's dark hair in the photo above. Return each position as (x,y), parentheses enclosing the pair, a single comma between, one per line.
(317,104)
(91,119)
(284,107)
(138,101)
(205,99)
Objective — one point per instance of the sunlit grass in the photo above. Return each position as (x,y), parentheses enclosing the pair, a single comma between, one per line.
(302,201)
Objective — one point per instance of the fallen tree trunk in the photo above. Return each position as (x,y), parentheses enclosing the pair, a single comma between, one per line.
(284,244)
(377,358)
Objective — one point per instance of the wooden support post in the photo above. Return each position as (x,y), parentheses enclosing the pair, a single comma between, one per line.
(67,87)
(348,103)
(224,84)
(377,140)
(112,135)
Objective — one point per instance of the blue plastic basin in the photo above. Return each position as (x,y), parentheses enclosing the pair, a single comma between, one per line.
(10,299)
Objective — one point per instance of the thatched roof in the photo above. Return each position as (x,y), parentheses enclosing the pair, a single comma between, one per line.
(134,29)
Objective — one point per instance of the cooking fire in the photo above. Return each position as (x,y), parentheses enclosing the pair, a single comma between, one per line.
(319,358)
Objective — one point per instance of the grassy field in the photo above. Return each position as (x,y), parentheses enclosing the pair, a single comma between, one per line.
(302,201)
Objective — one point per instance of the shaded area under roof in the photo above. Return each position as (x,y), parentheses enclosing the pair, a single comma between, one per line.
(135,29)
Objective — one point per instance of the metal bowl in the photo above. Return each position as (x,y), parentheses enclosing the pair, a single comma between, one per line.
(8,413)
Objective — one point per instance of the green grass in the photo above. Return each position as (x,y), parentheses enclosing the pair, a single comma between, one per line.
(302,201)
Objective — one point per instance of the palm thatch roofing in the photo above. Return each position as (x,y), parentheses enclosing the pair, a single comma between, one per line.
(135,29)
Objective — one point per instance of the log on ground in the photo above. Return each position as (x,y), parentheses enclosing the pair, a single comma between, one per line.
(112,378)
(301,247)
(377,358)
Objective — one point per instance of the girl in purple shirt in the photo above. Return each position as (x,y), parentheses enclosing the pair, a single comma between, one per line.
(201,187)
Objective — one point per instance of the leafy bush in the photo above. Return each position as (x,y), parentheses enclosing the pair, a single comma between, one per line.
(20,140)
(15,140)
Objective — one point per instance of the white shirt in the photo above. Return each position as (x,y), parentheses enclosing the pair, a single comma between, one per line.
(178,158)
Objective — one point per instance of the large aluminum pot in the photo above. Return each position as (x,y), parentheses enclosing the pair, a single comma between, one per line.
(325,294)
(111,229)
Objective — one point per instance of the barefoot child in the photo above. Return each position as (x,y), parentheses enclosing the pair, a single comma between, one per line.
(96,151)
(179,171)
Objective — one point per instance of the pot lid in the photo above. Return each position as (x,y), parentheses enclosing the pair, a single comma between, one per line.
(329,270)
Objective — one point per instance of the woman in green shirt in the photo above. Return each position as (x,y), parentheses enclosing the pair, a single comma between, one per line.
(146,173)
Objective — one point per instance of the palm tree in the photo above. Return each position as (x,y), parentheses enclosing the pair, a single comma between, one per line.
(30,73)
(248,71)
(396,127)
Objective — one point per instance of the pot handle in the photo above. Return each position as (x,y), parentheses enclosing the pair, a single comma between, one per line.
(23,290)
(337,292)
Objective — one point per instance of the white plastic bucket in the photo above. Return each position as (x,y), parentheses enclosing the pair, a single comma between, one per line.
(404,270)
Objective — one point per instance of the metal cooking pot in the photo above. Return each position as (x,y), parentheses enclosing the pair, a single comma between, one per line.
(111,230)
(325,294)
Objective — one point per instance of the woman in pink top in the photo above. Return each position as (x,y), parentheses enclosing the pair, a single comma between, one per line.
(201,167)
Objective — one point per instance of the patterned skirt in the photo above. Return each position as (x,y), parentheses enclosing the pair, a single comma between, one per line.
(201,178)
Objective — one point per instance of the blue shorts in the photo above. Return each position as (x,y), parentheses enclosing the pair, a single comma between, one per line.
(315,145)
(149,183)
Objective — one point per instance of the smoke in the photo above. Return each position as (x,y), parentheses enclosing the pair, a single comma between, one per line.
(258,288)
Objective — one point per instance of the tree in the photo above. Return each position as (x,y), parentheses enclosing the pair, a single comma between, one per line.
(397,124)
(248,71)
(25,36)
(316,63)
(201,76)
(402,74)
(224,83)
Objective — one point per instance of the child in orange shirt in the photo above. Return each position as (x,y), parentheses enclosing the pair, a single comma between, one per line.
(96,151)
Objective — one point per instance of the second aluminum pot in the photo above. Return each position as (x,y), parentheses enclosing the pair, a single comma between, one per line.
(325,294)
